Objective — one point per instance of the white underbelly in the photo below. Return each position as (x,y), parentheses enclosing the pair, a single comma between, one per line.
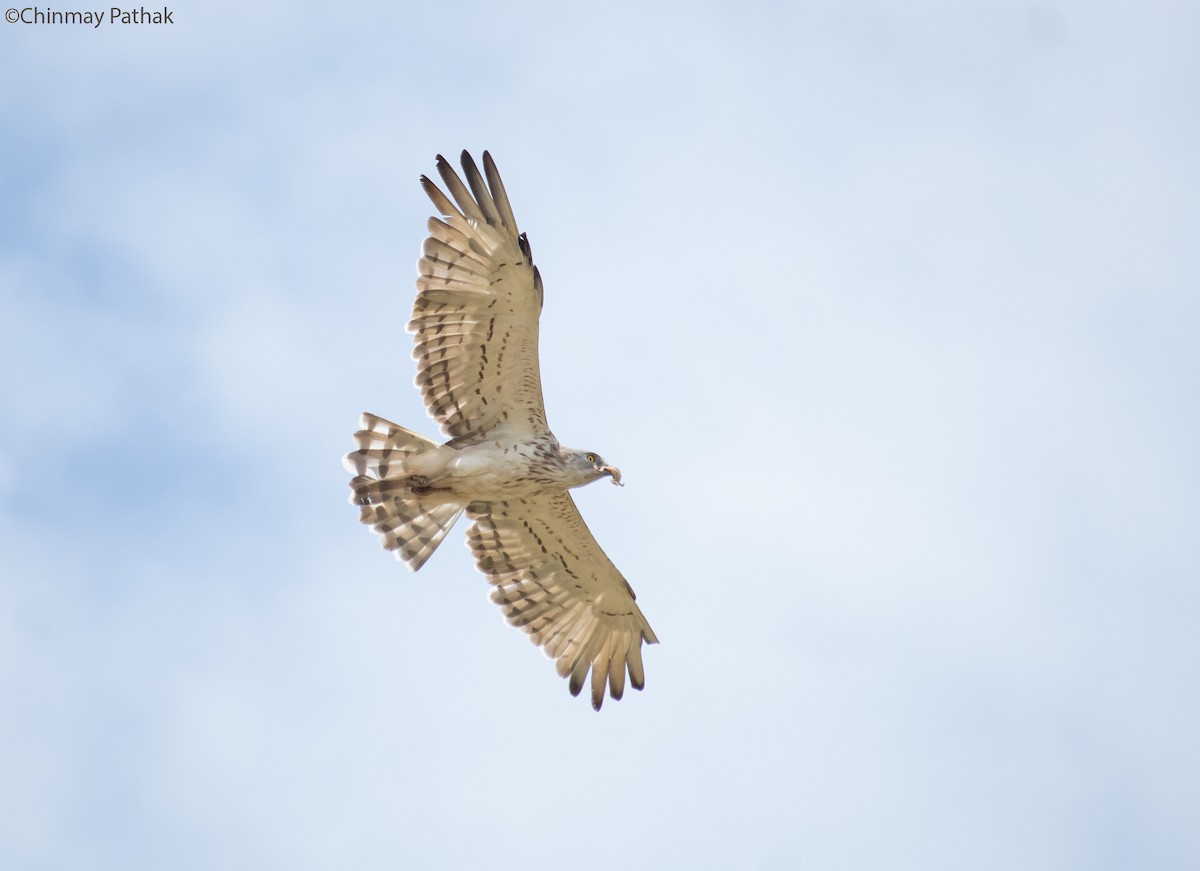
(489,473)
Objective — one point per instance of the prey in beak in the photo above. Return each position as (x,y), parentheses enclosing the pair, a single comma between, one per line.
(597,463)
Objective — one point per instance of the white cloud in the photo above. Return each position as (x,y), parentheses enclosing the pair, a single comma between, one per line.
(905,295)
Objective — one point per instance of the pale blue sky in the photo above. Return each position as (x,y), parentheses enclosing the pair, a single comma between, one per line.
(888,313)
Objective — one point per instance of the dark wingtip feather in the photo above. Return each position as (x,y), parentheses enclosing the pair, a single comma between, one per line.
(537,286)
(499,195)
(479,190)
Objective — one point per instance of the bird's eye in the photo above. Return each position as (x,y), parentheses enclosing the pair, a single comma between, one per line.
(591,458)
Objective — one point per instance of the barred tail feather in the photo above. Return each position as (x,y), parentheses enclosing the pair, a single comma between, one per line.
(382,445)
(409,525)
(406,527)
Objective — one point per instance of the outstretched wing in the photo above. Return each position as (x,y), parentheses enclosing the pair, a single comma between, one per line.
(476,316)
(553,580)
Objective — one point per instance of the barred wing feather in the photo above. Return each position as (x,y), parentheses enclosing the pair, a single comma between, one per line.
(553,581)
(475,319)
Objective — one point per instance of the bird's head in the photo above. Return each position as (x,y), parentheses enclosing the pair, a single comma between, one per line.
(595,467)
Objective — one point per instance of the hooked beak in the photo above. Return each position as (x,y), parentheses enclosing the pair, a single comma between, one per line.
(612,471)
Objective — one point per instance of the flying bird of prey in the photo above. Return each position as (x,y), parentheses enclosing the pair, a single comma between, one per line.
(475,323)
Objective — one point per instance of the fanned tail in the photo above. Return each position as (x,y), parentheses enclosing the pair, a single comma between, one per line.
(409,524)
